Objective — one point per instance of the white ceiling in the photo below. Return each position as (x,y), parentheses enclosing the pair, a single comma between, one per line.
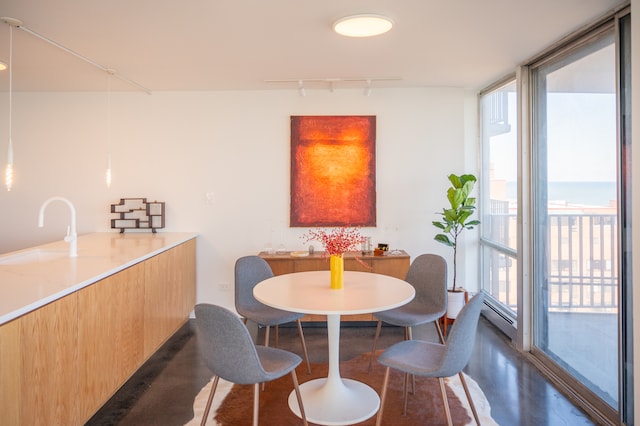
(238,44)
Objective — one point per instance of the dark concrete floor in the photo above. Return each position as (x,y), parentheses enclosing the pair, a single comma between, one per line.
(163,390)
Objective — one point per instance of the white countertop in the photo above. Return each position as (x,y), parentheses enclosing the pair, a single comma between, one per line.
(25,287)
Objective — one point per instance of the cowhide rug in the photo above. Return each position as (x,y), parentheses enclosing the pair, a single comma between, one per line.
(233,404)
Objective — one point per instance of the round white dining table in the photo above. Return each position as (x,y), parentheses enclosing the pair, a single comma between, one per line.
(334,400)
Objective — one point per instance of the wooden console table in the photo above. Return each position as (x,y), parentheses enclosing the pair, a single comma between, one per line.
(394,265)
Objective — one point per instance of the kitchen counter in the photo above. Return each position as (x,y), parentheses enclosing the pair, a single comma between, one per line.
(32,278)
(82,326)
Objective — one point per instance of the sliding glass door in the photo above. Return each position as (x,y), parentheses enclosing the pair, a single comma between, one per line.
(575,187)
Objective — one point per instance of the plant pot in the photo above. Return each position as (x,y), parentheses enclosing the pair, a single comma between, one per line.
(455,302)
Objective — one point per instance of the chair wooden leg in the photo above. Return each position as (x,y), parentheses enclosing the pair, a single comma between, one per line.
(382,397)
(409,336)
(443,390)
(266,336)
(299,396)
(256,403)
(439,330)
(209,401)
(443,321)
(304,346)
(405,389)
(471,404)
(266,343)
(373,348)
(447,322)
(406,392)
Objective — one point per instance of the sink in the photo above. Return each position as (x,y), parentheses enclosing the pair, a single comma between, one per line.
(33,256)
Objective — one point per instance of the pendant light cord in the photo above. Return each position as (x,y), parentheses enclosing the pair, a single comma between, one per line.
(109,74)
(10,160)
(108,172)
(8,178)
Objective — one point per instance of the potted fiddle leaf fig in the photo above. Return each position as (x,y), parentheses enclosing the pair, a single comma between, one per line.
(455,218)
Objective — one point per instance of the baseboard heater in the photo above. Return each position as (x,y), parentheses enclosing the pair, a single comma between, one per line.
(502,321)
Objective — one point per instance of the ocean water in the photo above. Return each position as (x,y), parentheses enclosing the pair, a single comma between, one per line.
(585,193)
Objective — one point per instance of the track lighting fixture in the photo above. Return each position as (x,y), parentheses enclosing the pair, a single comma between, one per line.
(18,24)
(332,83)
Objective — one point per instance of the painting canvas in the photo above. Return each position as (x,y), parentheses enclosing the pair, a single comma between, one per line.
(333,171)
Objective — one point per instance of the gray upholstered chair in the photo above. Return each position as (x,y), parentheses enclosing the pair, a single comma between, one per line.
(249,271)
(428,275)
(437,360)
(229,352)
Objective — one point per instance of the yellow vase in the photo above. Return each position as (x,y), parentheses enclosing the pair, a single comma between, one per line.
(336,265)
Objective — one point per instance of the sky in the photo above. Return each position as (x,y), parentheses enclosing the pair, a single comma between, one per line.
(580,119)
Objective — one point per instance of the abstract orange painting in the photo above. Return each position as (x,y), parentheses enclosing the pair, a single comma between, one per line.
(333,171)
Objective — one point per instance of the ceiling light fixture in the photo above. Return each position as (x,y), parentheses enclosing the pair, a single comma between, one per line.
(301,91)
(363,25)
(3,66)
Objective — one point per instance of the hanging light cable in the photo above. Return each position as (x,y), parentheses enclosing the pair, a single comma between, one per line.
(9,168)
(108,174)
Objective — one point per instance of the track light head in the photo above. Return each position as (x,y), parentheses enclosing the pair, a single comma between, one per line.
(367,89)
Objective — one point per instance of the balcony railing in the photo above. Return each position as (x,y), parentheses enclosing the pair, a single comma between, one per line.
(581,270)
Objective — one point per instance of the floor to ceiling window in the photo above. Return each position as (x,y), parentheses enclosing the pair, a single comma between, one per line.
(575,284)
(499,205)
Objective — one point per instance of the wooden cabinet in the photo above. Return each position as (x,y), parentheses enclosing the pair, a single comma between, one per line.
(395,265)
(38,366)
(60,363)
(169,294)
(110,335)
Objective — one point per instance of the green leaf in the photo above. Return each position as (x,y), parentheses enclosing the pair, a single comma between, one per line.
(455,197)
(468,178)
(470,202)
(438,225)
(455,181)
(441,238)
(462,217)
(451,215)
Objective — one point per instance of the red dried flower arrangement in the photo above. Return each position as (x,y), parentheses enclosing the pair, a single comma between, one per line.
(336,241)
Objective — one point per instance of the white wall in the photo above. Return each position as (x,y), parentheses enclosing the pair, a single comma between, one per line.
(177,146)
